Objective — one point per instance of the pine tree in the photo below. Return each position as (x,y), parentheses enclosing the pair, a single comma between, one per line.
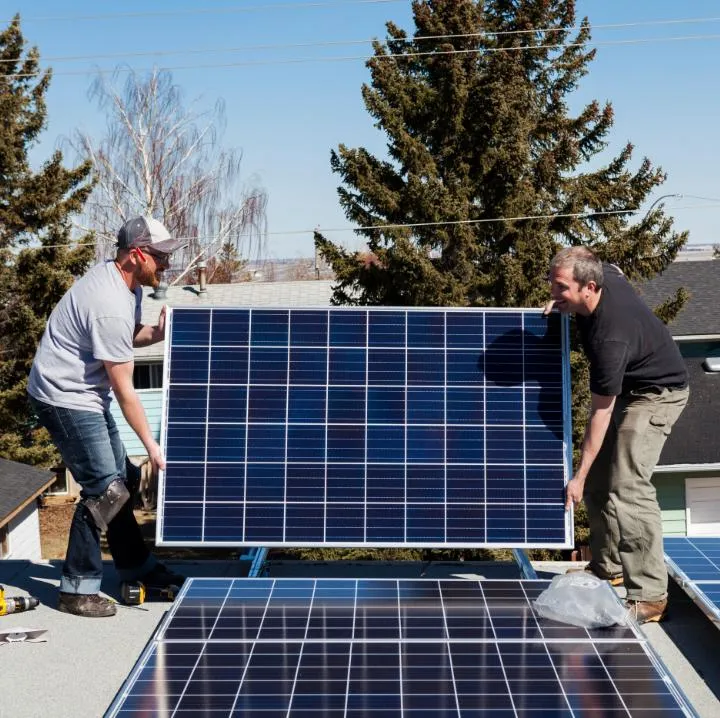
(38,260)
(487,170)
(475,109)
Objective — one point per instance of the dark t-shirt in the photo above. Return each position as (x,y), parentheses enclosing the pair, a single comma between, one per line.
(627,345)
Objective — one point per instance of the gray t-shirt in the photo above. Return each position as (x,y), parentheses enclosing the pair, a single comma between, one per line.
(94,322)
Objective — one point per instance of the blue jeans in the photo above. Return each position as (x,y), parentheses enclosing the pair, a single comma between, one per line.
(90,445)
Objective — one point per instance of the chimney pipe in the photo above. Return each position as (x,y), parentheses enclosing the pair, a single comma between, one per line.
(202,277)
(160,291)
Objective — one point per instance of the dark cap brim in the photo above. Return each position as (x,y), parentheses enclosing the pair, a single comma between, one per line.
(167,245)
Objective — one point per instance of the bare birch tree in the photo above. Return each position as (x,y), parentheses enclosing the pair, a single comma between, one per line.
(163,159)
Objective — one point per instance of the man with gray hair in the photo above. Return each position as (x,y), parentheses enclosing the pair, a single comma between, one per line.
(639,387)
(85,352)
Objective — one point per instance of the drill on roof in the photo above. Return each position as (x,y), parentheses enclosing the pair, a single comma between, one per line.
(15,604)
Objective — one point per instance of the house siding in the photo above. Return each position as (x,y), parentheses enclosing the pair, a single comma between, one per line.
(671,497)
(670,488)
(24,535)
(151,400)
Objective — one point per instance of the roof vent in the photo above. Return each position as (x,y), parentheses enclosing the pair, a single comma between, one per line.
(711,364)
(202,277)
(160,291)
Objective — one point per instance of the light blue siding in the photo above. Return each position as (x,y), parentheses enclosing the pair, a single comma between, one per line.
(152,401)
(671,497)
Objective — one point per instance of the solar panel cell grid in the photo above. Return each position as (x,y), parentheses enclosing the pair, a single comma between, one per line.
(699,558)
(695,563)
(347,648)
(375,427)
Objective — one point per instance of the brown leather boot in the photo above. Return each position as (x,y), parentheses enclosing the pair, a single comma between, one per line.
(616,580)
(90,605)
(647,611)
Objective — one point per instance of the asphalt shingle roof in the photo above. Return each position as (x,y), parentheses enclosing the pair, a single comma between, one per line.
(311,293)
(693,439)
(701,314)
(18,484)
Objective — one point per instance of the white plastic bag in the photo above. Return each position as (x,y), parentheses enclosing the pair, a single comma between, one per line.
(581,599)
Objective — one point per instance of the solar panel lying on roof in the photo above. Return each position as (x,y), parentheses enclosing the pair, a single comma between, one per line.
(695,564)
(387,648)
(382,427)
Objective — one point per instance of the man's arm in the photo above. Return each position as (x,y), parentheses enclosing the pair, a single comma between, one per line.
(121,374)
(601,409)
(145,334)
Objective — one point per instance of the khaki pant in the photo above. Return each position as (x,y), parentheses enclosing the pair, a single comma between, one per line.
(625,522)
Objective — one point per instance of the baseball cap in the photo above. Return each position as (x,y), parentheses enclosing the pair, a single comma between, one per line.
(146,232)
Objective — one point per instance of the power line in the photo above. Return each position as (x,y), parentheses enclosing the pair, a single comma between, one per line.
(395,56)
(442,223)
(336,43)
(208,11)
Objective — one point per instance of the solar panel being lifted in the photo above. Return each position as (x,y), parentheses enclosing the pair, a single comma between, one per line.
(378,427)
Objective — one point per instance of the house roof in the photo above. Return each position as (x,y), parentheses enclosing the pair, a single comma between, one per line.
(693,439)
(701,314)
(19,485)
(309,293)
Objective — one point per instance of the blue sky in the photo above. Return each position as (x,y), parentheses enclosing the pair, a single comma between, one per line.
(287,117)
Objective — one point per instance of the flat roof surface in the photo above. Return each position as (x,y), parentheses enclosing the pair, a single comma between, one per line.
(84,662)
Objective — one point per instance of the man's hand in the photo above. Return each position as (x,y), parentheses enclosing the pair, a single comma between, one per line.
(156,458)
(574,493)
(160,329)
(548,307)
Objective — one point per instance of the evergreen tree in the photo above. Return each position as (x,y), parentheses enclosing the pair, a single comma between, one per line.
(38,261)
(475,109)
(227,266)
(487,162)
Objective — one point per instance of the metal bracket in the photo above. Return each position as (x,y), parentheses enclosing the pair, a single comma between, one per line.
(523,562)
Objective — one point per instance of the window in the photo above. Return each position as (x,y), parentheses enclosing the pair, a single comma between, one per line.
(702,501)
(148,376)
(4,541)
(59,487)
(699,349)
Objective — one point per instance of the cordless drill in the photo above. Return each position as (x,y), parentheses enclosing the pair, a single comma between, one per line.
(16,604)
(135,593)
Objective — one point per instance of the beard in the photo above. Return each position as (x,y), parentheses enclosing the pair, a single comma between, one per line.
(149,278)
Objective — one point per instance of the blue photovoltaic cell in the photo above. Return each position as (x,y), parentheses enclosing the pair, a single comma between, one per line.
(360,648)
(422,427)
(695,564)
(697,558)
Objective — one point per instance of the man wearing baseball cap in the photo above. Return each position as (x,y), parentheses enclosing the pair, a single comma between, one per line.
(85,353)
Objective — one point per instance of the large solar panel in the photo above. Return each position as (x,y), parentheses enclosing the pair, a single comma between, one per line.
(262,648)
(381,427)
(695,564)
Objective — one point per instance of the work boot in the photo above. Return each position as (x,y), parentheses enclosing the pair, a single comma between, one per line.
(647,611)
(91,605)
(616,580)
(161,577)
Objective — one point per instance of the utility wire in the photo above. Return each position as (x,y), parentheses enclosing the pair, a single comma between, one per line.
(442,223)
(396,56)
(336,43)
(209,10)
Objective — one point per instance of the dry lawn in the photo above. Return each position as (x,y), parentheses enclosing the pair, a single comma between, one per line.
(56,515)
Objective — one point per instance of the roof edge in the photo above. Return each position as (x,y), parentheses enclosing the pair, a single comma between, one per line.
(670,468)
(9,517)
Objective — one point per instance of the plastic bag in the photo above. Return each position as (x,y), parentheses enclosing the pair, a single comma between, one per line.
(581,599)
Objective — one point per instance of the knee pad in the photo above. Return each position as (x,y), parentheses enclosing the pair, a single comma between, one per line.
(106,506)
